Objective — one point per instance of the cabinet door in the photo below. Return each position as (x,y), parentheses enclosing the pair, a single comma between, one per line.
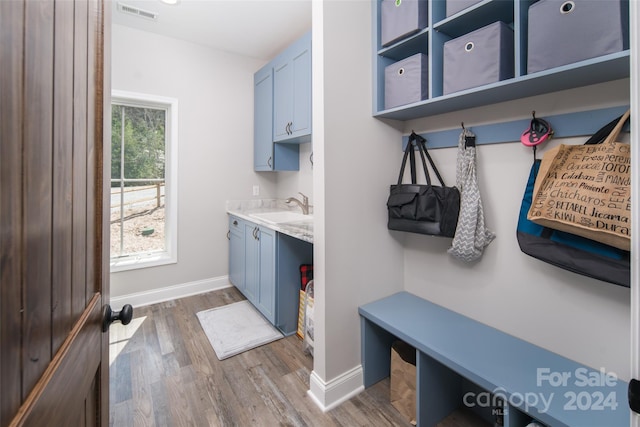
(267,272)
(236,252)
(252,262)
(283,98)
(292,93)
(262,120)
(301,121)
(268,156)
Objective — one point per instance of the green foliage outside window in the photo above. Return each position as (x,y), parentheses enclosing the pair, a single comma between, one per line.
(144,143)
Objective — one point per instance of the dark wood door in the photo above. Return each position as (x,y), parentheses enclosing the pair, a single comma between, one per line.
(53,276)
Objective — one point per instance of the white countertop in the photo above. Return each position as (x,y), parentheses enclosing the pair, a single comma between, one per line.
(248,209)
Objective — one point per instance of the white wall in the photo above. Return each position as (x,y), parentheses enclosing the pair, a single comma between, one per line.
(215,95)
(584,319)
(290,183)
(357,258)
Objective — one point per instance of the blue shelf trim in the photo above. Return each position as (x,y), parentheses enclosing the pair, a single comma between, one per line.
(564,126)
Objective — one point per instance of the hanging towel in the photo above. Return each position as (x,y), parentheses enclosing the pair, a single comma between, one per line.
(471,235)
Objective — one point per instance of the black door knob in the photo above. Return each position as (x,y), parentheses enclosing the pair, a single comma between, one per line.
(109,316)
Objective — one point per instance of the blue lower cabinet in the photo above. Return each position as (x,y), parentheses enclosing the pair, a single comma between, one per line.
(236,252)
(265,266)
(266,291)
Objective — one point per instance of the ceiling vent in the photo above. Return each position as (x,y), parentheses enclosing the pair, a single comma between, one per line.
(136,11)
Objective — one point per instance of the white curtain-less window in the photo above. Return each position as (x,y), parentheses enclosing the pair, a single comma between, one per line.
(143,219)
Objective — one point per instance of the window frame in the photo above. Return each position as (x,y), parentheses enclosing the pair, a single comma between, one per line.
(170,254)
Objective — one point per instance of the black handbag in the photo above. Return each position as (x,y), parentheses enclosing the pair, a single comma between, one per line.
(422,208)
(568,251)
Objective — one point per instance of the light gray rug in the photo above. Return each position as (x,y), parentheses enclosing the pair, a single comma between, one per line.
(235,328)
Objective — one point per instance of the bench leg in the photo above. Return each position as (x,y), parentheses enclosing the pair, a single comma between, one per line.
(439,391)
(375,352)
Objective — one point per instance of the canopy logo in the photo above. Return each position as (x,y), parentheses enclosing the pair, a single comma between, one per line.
(580,390)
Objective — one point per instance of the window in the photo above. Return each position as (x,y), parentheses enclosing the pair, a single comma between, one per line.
(143,180)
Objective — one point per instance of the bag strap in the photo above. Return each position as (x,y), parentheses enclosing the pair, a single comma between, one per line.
(423,148)
(613,128)
(412,163)
(408,149)
(616,131)
(420,142)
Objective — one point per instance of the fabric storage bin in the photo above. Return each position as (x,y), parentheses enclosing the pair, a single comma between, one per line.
(563,32)
(406,81)
(401,18)
(481,57)
(455,6)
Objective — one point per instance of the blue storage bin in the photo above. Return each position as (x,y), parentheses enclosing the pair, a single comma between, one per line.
(481,57)
(401,18)
(455,6)
(563,32)
(406,81)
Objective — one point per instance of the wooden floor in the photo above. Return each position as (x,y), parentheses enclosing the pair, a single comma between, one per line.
(165,373)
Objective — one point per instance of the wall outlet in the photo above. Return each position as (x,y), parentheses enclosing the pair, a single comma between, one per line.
(256,190)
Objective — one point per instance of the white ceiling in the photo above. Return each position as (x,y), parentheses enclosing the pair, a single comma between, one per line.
(255,28)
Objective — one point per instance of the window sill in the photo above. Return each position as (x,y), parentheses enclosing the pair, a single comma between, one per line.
(135,262)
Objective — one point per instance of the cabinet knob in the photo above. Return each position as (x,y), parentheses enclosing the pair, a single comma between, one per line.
(235,222)
(269,162)
(229,235)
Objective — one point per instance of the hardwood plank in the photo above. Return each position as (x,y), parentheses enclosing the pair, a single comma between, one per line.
(273,398)
(294,386)
(163,336)
(160,404)
(217,391)
(140,389)
(180,409)
(121,414)
(180,353)
(121,390)
(62,174)
(11,105)
(37,191)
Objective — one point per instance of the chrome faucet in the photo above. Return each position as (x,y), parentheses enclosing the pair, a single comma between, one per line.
(304,204)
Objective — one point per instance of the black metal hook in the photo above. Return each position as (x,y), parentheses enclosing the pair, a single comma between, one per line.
(417,138)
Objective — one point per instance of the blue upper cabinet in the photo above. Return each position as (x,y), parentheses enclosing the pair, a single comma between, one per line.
(282,108)
(292,93)
(268,156)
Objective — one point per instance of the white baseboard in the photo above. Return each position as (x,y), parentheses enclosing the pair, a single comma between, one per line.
(328,395)
(169,293)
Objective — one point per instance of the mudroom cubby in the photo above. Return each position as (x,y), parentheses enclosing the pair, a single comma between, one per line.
(463,363)
(431,40)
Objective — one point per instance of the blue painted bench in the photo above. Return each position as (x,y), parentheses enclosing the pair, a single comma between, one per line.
(533,384)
